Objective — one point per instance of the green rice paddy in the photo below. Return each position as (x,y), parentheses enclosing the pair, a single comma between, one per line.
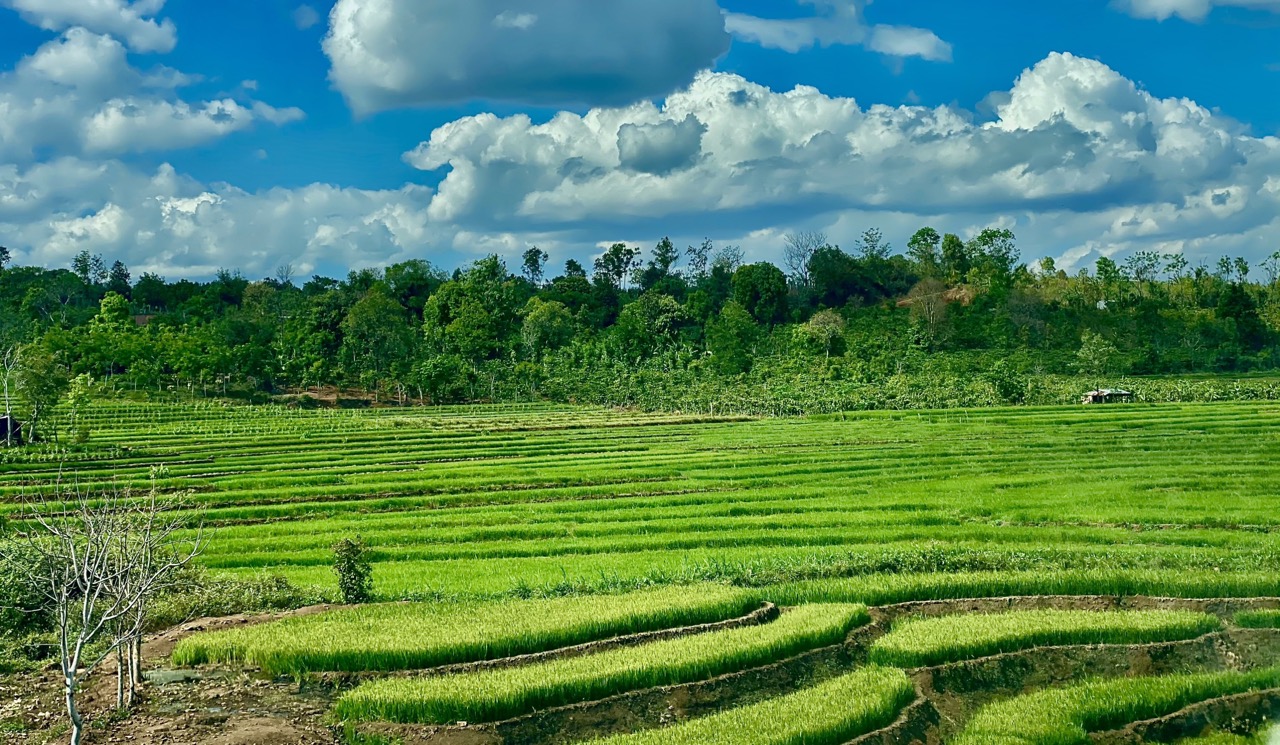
(1064,716)
(934,641)
(413,636)
(516,530)
(491,695)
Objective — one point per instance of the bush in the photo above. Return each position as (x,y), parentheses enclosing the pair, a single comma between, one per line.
(21,602)
(355,573)
(197,594)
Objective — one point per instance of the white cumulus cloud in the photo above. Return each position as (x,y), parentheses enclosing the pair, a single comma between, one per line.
(837,22)
(397,53)
(1190,10)
(1077,159)
(130,21)
(78,94)
(1072,138)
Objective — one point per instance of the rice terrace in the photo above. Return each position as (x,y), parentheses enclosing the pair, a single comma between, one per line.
(639,372)
(546,573)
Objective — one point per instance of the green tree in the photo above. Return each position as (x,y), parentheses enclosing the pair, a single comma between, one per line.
(40,383)
(824,331)
(411,282)
(925,249)
(956,261)
(930,309)
(698,258)
(548,325)
(445,378)
(994,255)
(79,398)
(1096,355)
(118,279)
(615,265)
(761,289)
(731,338)
(376,337)
(661,264)
(873,247)
(534,261)
(476,315)
(648,324)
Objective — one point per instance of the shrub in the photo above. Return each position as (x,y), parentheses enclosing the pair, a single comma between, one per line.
(355,572)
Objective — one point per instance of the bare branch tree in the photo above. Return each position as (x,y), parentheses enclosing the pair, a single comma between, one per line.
(9,361)
(105,555)
(799,249)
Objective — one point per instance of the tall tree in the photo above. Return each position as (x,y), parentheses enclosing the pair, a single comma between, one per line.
(616,264)
(699,258)
(535,259)
(660,266)
(955,258)
(118,279)
(925,249)
(872,246)
(731,338)
(762,290)
(799,248)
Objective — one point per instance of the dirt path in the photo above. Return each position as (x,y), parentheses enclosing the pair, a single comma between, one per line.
(188,708)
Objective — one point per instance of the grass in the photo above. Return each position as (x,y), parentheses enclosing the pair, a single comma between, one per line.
(1065,716)
(492,695)
(935,641)
(826,714)
(420,635)
(1260,619)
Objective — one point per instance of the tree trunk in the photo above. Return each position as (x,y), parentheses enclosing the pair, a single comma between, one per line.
(121,671)
(77,723)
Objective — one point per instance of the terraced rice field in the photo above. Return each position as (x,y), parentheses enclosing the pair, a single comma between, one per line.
(1138,545)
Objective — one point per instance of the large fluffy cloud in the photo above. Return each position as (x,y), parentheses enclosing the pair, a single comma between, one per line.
(122,19)
(1191,10)
(1077,159)
(78,94)
(392,53)
(837,22)
(167,223)
(1071,133)
(1072,137)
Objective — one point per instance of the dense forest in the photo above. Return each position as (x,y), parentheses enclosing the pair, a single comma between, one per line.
(945,322)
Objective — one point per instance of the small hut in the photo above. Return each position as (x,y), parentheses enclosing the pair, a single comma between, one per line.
(10,431)
(1107,396)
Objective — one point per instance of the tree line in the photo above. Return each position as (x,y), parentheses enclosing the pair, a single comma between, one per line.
(701,318)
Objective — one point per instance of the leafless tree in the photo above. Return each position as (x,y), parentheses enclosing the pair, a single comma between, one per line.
(799,249)
(8,372)
(929,307)
(105,554)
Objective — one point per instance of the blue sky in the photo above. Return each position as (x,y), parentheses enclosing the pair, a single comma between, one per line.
(265,144)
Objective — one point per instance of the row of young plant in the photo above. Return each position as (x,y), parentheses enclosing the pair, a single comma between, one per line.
(422,635)
(493,695)
(1062,716)
(935,641)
